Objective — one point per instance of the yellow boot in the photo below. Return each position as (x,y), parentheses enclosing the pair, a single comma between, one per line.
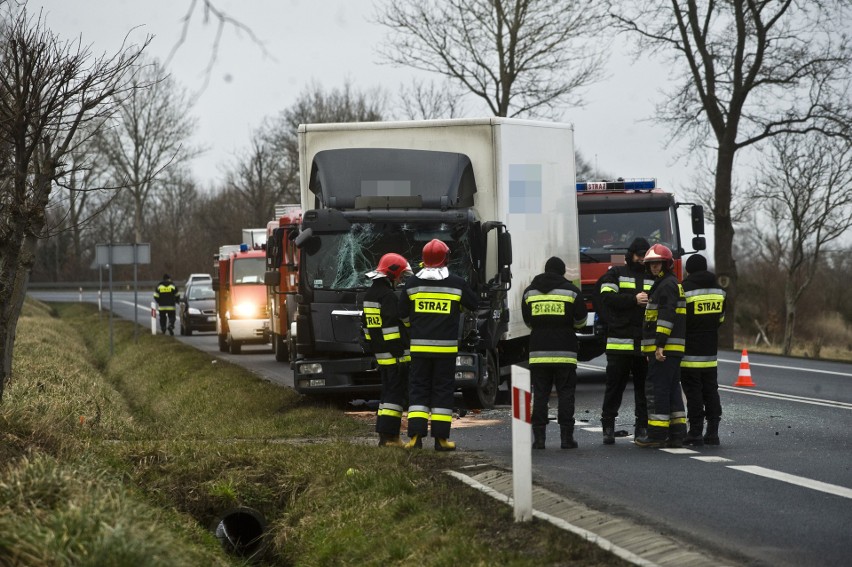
(442,444)
(387,440)
(416,442)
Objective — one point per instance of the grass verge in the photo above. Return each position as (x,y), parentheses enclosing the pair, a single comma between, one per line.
(133,459)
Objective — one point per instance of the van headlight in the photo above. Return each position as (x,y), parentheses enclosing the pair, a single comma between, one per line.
(245,310)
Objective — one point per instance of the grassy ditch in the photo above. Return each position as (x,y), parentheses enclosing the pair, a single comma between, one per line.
(133,460)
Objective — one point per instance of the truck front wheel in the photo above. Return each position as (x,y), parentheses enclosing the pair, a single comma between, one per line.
(279,346)
(483,395)
(223,343)
(234,347)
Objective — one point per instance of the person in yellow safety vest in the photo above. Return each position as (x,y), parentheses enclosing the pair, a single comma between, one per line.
(387,340)
(431,304)
(166,295)
(705,313)
(553,308)
(663,338)
(623,295)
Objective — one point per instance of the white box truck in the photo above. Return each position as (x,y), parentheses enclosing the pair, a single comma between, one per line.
(372,188)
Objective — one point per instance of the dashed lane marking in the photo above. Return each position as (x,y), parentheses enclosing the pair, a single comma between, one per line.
(797,480)
(710,459)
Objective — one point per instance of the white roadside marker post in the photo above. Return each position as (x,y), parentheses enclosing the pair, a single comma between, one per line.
(521,444)
(153,318)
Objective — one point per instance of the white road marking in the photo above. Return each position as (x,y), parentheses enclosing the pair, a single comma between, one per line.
(809,370)
(787,397)
(797,480)
(680,451)
(712,459)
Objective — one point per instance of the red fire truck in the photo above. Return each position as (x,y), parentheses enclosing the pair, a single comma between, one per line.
(241,313)
(282,276)
(611,214)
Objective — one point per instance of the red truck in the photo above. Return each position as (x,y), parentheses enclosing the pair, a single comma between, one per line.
(610,215)
(241,311)
(282,276)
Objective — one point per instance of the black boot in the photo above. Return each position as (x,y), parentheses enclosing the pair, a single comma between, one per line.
(539,434)
(693,437)
(712,435)
(677,434)
(567,433)
(608,431)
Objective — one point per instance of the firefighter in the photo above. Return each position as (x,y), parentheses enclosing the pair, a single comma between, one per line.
(166,295)
(431,305)
(663,338)
(623,296)
(386,340)
(553,308)
(705,313)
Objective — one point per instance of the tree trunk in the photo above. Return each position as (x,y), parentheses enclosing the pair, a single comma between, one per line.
(789,324)
(726,267)
(14,276)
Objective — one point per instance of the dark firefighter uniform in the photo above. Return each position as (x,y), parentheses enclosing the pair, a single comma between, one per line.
(665,327)
(386,341)
(553,308)
(166,295)
(705,312)
(624,318)
(431,303)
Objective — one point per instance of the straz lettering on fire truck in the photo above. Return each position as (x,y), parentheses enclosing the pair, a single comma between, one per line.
(432,306)
(708,306)
(548,308)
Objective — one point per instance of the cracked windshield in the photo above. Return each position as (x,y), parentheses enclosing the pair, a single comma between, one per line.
(339,261)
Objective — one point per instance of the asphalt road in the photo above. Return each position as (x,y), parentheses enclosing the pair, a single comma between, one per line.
(777,491)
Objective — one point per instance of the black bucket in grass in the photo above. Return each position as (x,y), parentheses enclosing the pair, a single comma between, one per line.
(241,532)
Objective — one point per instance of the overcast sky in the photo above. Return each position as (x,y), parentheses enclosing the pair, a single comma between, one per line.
(329,41)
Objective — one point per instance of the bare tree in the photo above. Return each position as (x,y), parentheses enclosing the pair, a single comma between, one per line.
(149,134)
(424,101)
(255,180)
(48,91)
(747,70)
(315,105)
(805,193)
(521,57)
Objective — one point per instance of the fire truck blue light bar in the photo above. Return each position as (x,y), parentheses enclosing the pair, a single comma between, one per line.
(621,185)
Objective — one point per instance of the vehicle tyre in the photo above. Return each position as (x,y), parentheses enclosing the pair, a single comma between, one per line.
(234,347)
(223,343)
(484,394)
(188,330)
(279,346)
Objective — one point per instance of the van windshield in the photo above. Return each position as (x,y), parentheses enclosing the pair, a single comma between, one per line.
(339,261)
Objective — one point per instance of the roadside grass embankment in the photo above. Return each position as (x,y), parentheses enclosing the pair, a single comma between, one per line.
(133,459)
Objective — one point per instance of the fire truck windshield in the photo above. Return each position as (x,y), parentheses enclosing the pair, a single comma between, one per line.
(339,261)
(249,270)
(603,233)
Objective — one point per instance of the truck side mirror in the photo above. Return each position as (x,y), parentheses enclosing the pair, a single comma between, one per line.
(303,237)
(697,221)
(504,249)
(215,284)
(699,243)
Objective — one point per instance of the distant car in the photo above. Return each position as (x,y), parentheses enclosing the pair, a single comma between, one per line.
(198,308)
(199,278)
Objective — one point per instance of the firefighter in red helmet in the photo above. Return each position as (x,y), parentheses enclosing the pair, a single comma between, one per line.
(431,304)
(663,341)
(385,338)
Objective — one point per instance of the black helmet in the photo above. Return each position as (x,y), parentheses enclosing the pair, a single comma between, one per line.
(166,277)
(638,246)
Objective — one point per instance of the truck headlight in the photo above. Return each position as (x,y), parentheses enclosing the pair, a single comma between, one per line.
(310,368)
(464,360)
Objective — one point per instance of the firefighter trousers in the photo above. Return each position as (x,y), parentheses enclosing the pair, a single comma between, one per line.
(701,388)
(543,378)
(431,385)
(666,415)
(393,398)
(619,369)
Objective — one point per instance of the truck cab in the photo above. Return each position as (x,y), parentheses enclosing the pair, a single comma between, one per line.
(281,277)
(610,215)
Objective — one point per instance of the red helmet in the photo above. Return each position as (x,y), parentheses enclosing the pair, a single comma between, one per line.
(659,253)
(435,254)
(393,266)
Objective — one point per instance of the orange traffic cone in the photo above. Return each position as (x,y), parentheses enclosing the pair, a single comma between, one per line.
(744,377)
